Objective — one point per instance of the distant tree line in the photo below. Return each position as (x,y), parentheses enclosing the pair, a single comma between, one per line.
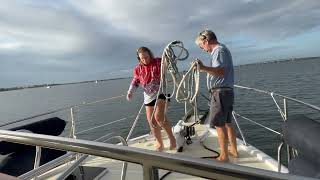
(51,85)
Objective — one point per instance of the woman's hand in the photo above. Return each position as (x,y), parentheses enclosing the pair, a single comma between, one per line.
(129,96)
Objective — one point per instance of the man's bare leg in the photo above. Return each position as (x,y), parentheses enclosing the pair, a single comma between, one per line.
(223,140)
(232,139)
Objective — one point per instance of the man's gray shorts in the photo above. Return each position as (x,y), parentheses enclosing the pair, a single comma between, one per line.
(221,106)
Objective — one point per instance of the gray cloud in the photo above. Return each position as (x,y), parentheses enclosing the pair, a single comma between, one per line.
(97,39)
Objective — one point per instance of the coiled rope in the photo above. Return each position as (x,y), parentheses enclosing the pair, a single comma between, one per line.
(191,88)
(169,65)
(185,93)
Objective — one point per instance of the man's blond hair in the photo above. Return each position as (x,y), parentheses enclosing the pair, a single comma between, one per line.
(206,35)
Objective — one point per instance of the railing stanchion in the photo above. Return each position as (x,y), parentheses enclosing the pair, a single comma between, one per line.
(279,157)
(285,107)
(73,127)
(37,158)
(125,165)
(150,173)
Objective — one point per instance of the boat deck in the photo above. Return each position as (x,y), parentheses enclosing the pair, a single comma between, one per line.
(248,156)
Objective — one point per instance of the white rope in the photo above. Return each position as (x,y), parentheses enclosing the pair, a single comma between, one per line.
(168,64)
(193,75)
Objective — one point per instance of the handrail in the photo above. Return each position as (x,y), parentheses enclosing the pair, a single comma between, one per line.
(283,113)
(241,87)
(125,164)
(118,120)
(68,157)
(48,166)
(276,132)
(56,162)
(150,160)
(62,109)
(276,94)
(75,165)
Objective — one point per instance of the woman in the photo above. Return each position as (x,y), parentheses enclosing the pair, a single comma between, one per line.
(147,75)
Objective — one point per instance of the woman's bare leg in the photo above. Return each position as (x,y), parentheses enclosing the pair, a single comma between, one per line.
(162,121)
(155,128)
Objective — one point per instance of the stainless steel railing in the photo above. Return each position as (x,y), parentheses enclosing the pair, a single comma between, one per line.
(73,133)
(62,109)
(285,98)
(283,113)
(150,160)
(48,166)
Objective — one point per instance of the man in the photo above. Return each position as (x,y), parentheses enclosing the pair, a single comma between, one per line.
(220,81)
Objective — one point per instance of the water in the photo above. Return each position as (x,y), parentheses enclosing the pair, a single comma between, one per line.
(297,79)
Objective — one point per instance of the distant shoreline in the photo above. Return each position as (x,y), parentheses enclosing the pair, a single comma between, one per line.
(57,84)
(281,61)
(96,81)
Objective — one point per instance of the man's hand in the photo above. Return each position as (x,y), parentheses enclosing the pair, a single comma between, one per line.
(129,96)
(199,63)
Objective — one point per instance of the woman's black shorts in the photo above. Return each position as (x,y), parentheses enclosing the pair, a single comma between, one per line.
(161,96)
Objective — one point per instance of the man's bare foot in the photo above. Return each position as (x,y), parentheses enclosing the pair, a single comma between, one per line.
(223,159)
(234,153)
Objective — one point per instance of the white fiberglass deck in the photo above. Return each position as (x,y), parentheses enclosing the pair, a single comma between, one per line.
(248,156)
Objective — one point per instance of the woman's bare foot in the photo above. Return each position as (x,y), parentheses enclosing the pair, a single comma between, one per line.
(159,147)
(173,144)
(234,153)
(223,159)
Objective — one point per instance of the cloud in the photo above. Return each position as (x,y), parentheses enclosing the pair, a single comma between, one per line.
(166,19)
(100,36)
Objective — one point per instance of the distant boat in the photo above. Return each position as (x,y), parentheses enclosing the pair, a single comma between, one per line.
(48,87)
(96,81)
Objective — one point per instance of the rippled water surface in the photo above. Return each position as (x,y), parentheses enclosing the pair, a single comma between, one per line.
(296,79)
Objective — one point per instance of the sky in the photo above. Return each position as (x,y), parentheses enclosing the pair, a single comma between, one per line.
(61,41)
